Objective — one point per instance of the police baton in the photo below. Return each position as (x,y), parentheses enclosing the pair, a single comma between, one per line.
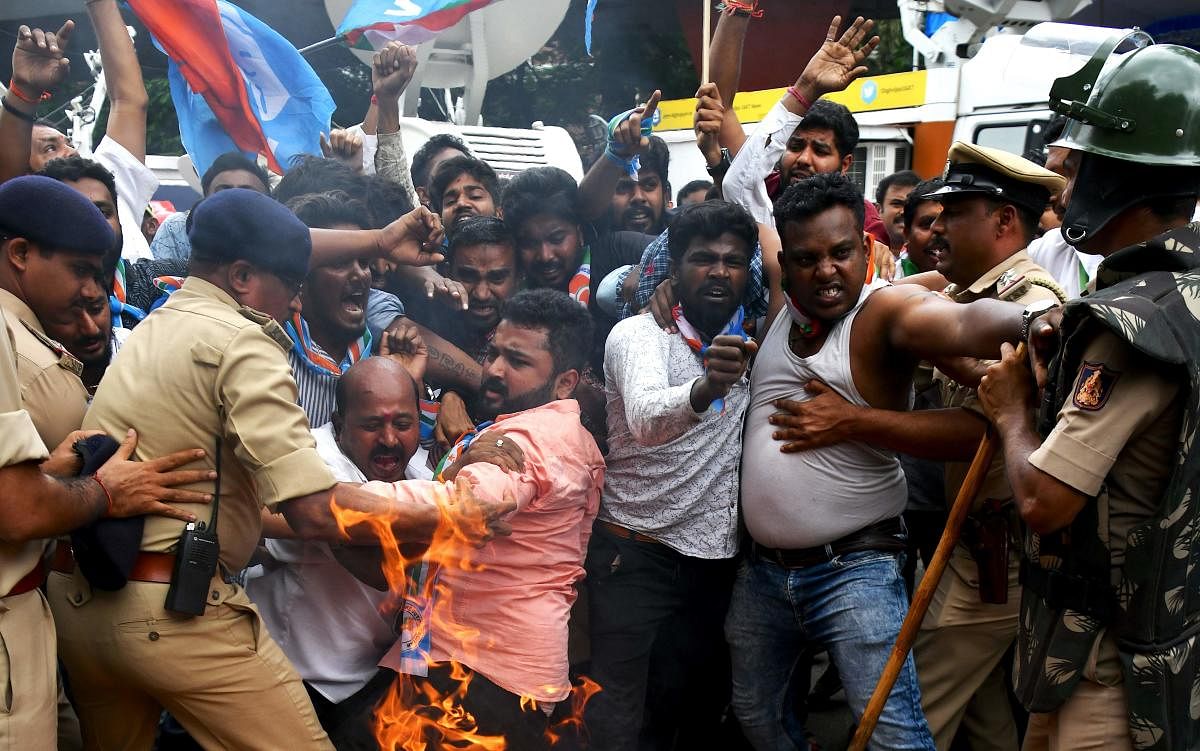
(924,594)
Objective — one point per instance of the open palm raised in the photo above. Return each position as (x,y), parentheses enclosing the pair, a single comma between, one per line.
(839,60)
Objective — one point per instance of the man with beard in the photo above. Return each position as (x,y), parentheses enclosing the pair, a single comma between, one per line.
(463,187)
(825,522)
(483,259)
(627,189)
(666,537)
(308,600)
(921,247)
(641,205)
(991,200)
(498,639)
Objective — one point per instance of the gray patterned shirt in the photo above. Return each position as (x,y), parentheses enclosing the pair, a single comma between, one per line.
(672,474)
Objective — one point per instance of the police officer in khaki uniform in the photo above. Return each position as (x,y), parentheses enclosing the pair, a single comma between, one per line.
(1106,653)
(210,365)
(49,236)
(991,203)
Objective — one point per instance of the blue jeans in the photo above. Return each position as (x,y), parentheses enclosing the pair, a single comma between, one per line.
(851,606)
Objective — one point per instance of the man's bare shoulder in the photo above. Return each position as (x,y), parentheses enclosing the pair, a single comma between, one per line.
(887,301)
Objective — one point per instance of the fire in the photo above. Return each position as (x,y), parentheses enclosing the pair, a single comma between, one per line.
(414,716)
(571,726)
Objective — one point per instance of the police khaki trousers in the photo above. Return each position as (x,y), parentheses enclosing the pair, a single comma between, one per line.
(29,702)
(1095,717)
(221,675)
(958,653)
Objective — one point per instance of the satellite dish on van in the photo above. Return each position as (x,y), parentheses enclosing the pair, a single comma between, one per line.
(484,45)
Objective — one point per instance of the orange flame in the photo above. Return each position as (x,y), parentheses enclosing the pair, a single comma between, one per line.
(571,726)
(414,716)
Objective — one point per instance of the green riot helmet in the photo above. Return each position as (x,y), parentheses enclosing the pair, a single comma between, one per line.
(1138,128)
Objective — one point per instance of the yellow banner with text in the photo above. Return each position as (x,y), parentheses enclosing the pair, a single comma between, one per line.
(892,91)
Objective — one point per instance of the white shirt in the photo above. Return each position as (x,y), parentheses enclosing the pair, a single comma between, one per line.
(743,183)
(671,474)
(332,627)
(1063,261)
(136,184)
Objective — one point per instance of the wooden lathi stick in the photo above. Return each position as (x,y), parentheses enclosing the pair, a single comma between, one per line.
(924,594)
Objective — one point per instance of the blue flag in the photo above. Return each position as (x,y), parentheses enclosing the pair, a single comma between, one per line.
(290,104)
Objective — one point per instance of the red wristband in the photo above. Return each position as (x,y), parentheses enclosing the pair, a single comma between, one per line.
(107,495)
(800,98)
(21,95)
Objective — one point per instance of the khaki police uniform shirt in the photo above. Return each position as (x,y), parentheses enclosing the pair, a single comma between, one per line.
(19,442)
(1016,279)
(199,367)
(48,375)
(1115,440)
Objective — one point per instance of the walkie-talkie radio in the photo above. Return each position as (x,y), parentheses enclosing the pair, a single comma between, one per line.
(196,559)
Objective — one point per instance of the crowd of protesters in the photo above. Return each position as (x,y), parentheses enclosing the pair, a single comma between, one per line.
(399,452)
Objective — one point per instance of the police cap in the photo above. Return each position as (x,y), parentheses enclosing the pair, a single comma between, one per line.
(53,215)
(244,225)
(1007,177)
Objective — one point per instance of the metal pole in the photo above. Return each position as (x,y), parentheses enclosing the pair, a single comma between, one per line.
(706,35)
(323,44)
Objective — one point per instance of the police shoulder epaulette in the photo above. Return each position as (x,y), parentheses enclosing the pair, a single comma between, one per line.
(1050,284)
(66,360)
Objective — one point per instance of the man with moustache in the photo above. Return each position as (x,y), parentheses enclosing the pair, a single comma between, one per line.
(309,601)
(665,540)
(824,565)
(102,323)
(921,247)
(464,187)
(483,259)
(499,612)
(991,201)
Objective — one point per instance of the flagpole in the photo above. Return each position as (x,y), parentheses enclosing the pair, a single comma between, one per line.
(704,42)
(323,44)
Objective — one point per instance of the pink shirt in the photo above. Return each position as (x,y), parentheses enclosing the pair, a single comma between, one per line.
(515,596)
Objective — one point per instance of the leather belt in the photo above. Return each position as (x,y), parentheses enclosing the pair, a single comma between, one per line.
(147,567)
(616,530)
(888,535)
(30,581)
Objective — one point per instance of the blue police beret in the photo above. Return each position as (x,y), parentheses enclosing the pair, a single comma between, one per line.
(244,225)
(53,215)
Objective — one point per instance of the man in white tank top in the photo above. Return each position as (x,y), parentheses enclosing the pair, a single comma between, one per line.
(824,566)
(992,200)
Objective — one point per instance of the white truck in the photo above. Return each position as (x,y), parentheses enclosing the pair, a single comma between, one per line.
(996,97)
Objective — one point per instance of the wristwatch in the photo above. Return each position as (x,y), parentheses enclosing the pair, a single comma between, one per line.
(720,167)
(1032,312)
